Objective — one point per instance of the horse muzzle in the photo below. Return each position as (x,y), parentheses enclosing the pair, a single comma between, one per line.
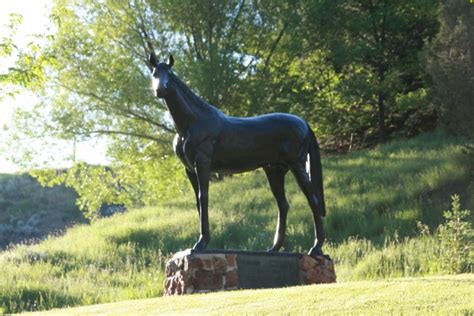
(161,92)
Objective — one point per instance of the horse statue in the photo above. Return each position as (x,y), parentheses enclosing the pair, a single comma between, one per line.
(209,141)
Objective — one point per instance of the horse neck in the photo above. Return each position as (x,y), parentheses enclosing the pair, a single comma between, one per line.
(186,107)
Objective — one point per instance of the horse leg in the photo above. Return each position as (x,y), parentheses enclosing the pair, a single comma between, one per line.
(202,167)
(276,179)
(194,182)
(302,178)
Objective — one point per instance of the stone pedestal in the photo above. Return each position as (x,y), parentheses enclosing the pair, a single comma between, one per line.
(221,270)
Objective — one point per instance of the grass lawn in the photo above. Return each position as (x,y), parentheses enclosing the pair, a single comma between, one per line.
(448,295)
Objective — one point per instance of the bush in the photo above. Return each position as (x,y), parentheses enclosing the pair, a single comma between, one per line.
(456,236)
(450,65)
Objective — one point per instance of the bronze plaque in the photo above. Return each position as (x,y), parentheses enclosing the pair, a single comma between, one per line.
(267,271)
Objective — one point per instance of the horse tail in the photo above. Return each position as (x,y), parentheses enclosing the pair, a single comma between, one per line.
(316,171)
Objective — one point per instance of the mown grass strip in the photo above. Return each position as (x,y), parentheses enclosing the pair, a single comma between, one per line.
(448,295)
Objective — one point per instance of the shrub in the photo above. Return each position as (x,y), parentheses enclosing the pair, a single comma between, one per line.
(456,236)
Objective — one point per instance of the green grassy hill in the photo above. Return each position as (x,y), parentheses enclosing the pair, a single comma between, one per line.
(374,199)
(29,211)
(448,295)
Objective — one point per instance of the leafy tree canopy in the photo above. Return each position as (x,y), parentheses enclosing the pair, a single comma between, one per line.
(351,68)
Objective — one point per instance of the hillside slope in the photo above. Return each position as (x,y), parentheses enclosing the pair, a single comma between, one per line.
(446,295)
(29,212)
(374,199)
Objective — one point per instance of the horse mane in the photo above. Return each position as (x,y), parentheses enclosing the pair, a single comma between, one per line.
(190,95)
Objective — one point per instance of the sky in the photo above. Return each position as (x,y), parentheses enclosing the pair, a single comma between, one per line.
(35,19)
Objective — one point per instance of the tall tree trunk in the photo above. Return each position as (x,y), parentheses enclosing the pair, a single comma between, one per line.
(381,104)
(381,116)
(470,32)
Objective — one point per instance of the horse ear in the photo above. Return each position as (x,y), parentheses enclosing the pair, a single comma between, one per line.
(171,61)
(153,60)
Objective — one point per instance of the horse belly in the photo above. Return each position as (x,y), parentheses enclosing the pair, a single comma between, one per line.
(247,156)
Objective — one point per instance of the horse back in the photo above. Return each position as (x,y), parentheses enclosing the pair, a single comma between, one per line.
(249,143)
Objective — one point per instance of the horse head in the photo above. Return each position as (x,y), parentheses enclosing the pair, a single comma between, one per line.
(161,74)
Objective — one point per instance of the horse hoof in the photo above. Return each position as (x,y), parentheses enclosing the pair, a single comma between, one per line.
(315,252)
(272,249)
(199,246)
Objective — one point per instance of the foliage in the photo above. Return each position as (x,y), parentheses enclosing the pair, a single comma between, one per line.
(13,75)
(7,47)
(318,95)
(9,77)
(223,43)
(130,184)
(83,95)
(95,82)
(375,44)
(450,62)
(246,57)
(456,237)
(374,199)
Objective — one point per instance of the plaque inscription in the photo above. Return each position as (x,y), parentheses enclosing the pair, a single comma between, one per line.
(267,271)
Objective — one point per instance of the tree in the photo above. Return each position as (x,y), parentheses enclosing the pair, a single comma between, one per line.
(12,77)
(226,46)
(348,67)
(375,43)
(95,81)
(450,61)
(6,49)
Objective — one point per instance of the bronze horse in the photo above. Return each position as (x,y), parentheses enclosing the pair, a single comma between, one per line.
(209,141)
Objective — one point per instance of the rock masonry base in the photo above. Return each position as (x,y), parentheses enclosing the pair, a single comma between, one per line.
(191,272)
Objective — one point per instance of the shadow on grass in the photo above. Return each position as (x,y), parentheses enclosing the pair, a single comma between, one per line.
(35,299)
(168,241)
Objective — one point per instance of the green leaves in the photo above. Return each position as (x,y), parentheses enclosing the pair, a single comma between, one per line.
(130,183)
(375,46)
(456,236)
(450,62)
(347,67)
